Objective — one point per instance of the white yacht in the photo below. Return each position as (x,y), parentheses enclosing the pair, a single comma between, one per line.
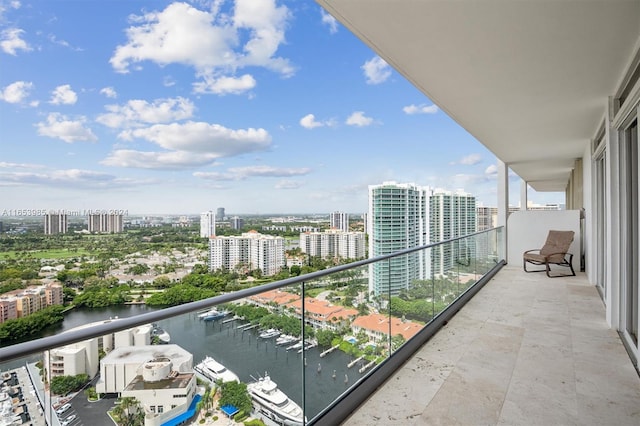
(274,404)
(269,333)
(211,370)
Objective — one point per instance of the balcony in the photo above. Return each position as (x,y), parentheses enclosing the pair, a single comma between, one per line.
(491,346)
(526,350)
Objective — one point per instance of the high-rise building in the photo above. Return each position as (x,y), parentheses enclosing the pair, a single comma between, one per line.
(339,220)
(251,250)
(55,223)
(105,223)
(220,214)
(398,219)
(333,243)
(237,223)
(207,224)
(452,214)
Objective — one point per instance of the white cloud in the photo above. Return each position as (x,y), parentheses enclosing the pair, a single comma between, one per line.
(471,159)
(309,122)
(16,92)
(359,119)
(420,109)
(60,127)
(225,85)
(329,21)
(173,160)
(6,165)
(63,95)
(203,137)
(376,70)
(491,171)
(109,92)
(138,112)
(11,41)
(215,44)
(74,178)
(288,184)
(242,173)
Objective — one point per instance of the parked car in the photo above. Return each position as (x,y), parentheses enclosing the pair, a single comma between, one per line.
(62,409)
(67,421)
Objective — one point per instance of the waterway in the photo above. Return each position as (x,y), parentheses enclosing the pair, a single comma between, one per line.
(244,353)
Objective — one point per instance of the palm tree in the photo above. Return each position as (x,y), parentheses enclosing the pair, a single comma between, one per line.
(129,412)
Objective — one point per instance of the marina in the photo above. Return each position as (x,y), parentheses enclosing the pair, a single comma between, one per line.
(240,350)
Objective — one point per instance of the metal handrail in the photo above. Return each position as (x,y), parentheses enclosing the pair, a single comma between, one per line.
(73,336)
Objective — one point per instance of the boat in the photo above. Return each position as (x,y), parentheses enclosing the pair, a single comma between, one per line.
(160,333)
(211,370)
(214,314)
(285,339)
(274,404)
(269,333)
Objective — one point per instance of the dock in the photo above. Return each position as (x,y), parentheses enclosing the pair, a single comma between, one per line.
(352,363)
(364,368)
(328,351)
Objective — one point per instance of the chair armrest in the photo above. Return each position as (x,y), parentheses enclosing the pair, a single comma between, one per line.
(529,251)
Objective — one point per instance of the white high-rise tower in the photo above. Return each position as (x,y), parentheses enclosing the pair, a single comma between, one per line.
(207,224)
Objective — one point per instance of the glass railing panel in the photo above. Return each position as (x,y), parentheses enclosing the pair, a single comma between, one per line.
(353,320)
(337,309)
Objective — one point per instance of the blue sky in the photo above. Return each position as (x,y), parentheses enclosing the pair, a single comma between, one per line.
(181,107)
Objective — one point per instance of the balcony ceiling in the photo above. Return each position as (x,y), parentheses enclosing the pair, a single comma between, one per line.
(528,79)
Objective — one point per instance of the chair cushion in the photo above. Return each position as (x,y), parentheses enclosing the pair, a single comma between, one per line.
(535,257)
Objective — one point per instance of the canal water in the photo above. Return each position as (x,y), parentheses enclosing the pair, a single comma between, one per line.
(243,352)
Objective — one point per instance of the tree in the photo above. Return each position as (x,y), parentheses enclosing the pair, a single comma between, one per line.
(129,412)
(234,393)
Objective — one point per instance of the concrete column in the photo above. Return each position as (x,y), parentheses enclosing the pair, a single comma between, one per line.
(523,195)
(503,202)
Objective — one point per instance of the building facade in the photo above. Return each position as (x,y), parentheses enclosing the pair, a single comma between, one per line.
(104,223)
(251,250)
(207,224)
(398,219)
(55,223)
(237,223)
(339,220)
(333,243)
(452,215)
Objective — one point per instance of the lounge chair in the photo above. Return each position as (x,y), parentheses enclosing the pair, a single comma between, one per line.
(554,252)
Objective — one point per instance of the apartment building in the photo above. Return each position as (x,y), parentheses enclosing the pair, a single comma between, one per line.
(23,302)
(55,223)
(451,215)
(207,224)
(251,250)
(105,223)
(398,219)
(339,220)
(333,243)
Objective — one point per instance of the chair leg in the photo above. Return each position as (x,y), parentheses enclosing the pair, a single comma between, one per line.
(548,269)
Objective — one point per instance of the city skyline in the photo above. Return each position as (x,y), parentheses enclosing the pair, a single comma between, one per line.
(183,107)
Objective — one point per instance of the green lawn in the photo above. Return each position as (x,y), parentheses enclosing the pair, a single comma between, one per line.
(48,254)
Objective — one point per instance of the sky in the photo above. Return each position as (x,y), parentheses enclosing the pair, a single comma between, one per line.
(170,107)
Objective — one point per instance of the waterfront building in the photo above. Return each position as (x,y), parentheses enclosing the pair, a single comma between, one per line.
(273,297)
(31,299)
(452,215)
(251,250)
(398,219)
(160,377)
(105,223)
(83,357)
(333,243)
(8,309)
(378,327)
(339,220)
(55,223)
(322,314)
(207,224)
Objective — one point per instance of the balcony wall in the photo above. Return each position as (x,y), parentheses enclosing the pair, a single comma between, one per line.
(526,350)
